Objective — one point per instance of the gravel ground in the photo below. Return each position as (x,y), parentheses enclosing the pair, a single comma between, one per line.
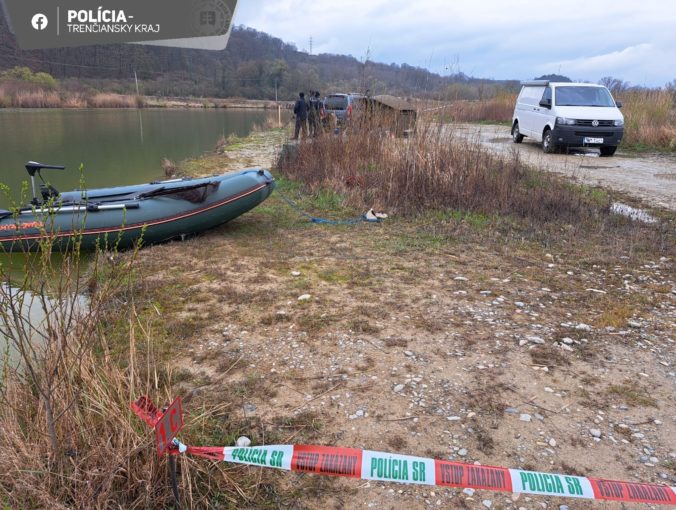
(468,347)
(649,177)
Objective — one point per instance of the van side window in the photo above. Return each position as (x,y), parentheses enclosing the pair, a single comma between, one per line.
(531,95)
(547,95)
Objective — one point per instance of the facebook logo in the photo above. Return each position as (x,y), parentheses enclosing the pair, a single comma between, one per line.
(39,21)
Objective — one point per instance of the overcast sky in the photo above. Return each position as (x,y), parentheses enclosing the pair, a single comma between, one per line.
(634,40)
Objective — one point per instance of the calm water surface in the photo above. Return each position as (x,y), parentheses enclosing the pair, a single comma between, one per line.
(114,146)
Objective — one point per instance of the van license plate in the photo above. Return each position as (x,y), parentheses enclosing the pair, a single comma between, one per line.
(588,139)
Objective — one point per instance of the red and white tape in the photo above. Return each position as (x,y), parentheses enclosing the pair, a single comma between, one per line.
(392,467)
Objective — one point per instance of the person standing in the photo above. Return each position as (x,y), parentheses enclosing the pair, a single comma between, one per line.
(300,111)
(312,114)
(317,105)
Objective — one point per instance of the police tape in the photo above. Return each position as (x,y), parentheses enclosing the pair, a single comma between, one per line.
(392,467)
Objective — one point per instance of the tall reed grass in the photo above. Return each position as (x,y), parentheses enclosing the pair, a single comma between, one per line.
(650,119)
(13,95)
(68,436)
(650,116)
(107,100)
(434,169)
(496,109)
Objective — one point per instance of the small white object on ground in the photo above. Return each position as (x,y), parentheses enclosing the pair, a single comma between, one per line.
(243,441)
(632,213)
(295,273)
(304,297)
(372,215)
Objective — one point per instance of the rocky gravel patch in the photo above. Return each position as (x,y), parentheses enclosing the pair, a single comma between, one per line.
(503,363)
(509,354)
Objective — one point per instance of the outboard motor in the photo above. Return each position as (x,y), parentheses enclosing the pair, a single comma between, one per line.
(46,190)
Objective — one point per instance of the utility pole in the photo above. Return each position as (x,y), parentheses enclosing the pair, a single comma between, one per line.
(310,45)
(136,80)
(279,110)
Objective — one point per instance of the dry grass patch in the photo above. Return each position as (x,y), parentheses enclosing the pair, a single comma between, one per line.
(433,170)
(548,356)
(496,109)
(632,393)
(396,342)
(616,316)
(649,119)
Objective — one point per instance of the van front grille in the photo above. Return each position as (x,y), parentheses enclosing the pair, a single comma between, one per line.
(602,123)
(594,134)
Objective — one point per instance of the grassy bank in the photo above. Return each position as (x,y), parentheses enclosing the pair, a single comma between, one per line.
(217,320)
(435,170)
(21,88)
(19,96)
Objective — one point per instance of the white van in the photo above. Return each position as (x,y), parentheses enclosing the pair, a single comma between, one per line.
(562,115)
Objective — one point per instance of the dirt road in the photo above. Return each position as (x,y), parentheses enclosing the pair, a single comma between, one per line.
(650,177)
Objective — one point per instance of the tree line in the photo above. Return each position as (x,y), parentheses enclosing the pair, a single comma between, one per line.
(254,65)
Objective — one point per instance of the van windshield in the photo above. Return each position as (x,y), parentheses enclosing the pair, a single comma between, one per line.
(583,96)
(336,103)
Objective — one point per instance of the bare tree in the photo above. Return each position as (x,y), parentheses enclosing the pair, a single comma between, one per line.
(615,85)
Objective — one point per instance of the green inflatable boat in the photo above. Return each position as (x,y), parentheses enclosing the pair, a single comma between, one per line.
(121,216)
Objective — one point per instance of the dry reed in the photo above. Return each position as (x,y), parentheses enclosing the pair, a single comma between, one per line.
(433,170)
(169,168)
(69,438)
(14,95)
(495,109)
(650,119)
(107,100)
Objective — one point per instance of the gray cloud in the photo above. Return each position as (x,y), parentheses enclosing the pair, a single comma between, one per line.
(498,39)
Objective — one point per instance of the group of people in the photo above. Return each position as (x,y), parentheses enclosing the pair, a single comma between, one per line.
(309,115)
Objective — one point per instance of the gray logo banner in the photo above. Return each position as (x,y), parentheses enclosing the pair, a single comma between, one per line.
(58,23)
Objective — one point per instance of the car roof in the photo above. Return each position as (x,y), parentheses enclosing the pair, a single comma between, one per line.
(569,84)
(544,83)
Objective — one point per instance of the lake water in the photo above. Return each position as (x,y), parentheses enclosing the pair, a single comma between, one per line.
(115,146)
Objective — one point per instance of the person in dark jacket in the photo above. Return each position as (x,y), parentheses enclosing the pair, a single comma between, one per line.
(300,111)
(315,113)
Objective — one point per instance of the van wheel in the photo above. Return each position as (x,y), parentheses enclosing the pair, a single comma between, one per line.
(548,144)
(608,151)
(517,137)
